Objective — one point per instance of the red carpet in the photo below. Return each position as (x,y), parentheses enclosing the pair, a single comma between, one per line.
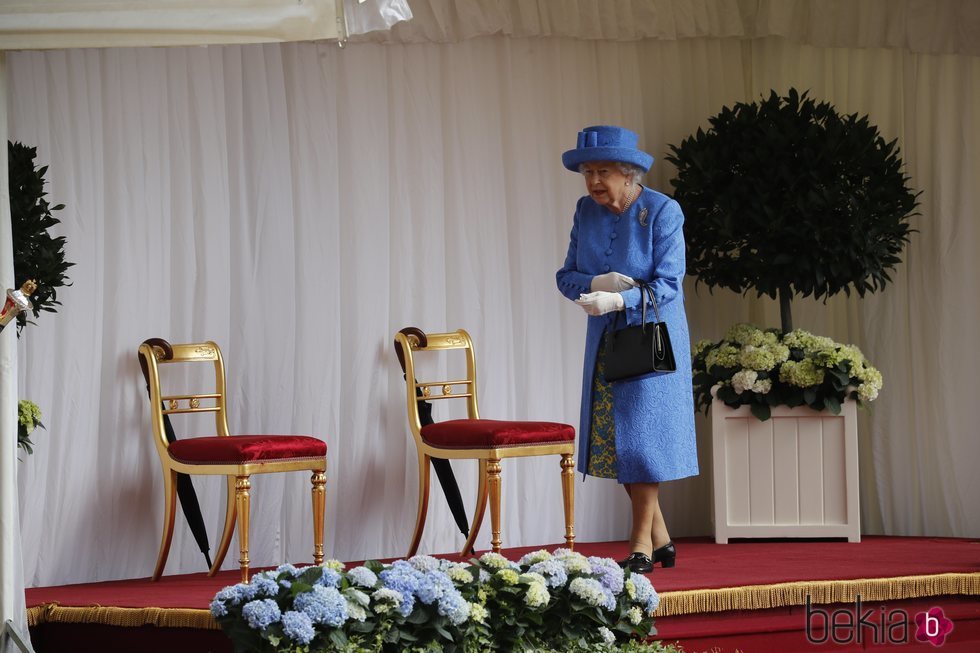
(718,594)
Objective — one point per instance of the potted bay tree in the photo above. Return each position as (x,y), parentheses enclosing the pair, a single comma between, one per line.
(787,197)
(38,256)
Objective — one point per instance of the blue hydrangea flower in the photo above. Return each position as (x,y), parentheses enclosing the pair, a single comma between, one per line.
(453,605)
(233,594)
(329,578)
(609,573)
(405,579)
(263,586)
(645,593)
(218,608)
(432,585)
(362,576)
(290,569)
(298,627)
(553,571)
(323,605)
(261,613)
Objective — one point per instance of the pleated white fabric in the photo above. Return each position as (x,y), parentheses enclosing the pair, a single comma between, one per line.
(300,203)
(12,602)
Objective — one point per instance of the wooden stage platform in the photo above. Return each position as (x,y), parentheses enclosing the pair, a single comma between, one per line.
(750,595)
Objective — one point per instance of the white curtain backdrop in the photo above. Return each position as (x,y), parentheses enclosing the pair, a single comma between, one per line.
(300,203)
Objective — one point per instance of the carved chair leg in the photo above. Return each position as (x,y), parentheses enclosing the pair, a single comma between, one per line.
(170,499)
(568,497)
(319,492)
(229,528)
(242,499)
(493,480)
(424,471)
(481,508)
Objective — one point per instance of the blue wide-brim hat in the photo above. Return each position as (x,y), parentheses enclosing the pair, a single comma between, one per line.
(606,143)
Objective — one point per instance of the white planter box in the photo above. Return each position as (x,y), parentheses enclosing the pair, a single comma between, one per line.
(794,475)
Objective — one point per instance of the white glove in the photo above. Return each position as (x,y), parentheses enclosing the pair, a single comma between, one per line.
(612,282)
(600,303)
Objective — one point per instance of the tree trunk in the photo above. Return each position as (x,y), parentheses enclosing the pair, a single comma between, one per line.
(785,296)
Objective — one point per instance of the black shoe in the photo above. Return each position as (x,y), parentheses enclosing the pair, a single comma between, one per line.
(665,555)
(638,563)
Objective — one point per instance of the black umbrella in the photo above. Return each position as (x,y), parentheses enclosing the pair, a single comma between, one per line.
(444,470)
(185,488)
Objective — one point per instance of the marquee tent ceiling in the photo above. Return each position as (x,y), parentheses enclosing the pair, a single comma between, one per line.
(50,24)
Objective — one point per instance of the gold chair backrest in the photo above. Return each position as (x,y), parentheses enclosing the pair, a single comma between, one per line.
(433,389)
(158,352)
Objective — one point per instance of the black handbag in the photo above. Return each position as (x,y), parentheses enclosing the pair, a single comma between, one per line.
(639,350)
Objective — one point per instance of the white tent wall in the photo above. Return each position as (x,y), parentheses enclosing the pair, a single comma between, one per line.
(300,203)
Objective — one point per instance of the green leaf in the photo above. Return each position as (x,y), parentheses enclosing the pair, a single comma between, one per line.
(761,411)
(832,403)
(727,393)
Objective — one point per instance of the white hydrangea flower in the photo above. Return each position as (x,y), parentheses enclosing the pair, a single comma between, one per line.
(762,387)
(867,392)
(336,565)
(356,612)
(532,577)
(746,334)
(744,380)
(534,557)
(386,599)
(607,635)
(424,563)
(634,615)
(537,595)
(459,575)
(478,613)
(574,563)
(357,596)
(494,560)
(630,589)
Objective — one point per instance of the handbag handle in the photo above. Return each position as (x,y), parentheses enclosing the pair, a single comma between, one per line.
(659,351)
(648,290)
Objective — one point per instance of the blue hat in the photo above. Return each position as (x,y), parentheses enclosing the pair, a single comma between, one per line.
(606,143)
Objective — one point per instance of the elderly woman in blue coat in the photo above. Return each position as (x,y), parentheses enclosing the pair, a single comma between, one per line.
(638,431)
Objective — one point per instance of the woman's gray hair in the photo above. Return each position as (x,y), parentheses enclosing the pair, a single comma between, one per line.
(632,172)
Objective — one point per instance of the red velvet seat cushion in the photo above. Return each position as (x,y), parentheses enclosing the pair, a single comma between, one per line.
(474,433)
(214,450)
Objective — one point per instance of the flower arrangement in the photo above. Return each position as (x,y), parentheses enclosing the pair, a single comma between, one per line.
(762,369)
(561,601)
(28,418)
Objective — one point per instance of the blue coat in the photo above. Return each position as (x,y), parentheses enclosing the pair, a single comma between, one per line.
(654,414)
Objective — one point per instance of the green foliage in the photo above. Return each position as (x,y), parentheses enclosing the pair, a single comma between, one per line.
(787,196)
(37,254)
(28,418)
(762,369)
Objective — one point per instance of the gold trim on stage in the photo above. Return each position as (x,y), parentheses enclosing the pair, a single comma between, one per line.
(749,597)
(777,595)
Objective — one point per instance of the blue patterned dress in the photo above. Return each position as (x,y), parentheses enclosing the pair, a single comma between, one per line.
(652,416)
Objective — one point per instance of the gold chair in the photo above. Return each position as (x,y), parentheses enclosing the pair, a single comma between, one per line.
(488,441)
(237,457)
